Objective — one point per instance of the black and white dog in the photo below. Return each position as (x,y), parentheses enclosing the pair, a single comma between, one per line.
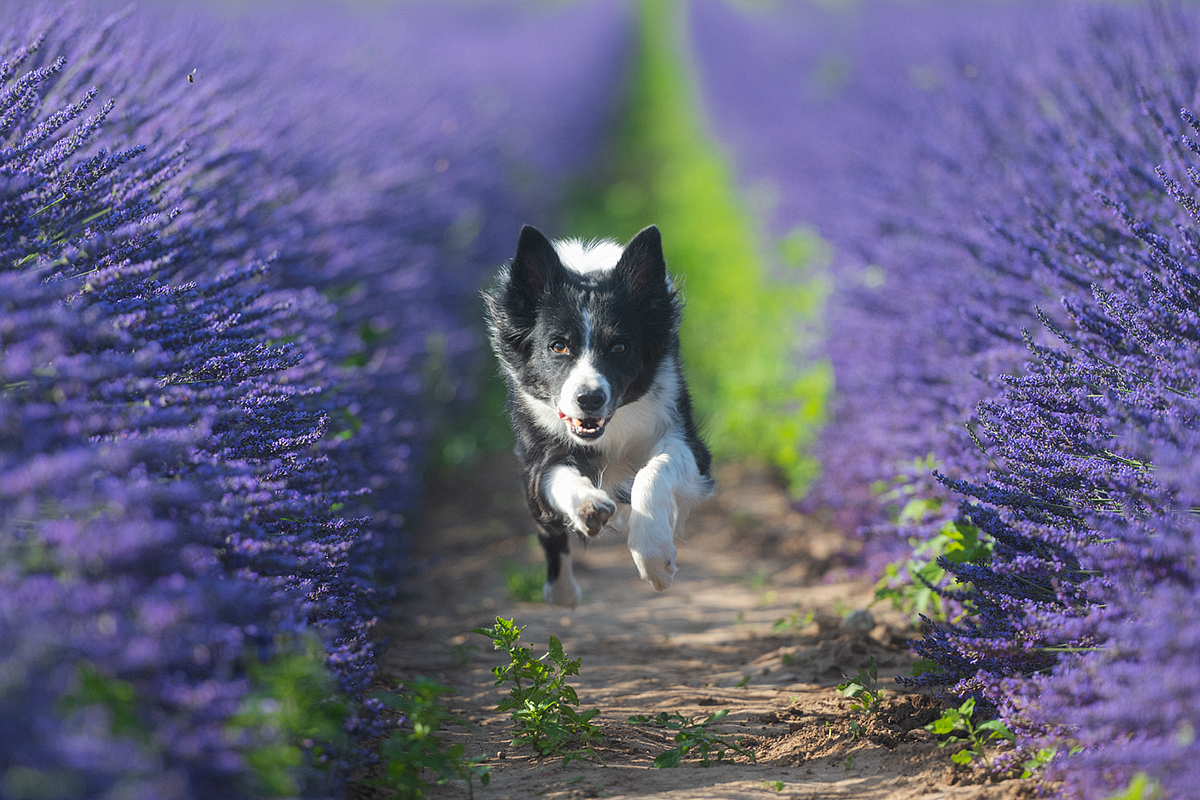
(587,338)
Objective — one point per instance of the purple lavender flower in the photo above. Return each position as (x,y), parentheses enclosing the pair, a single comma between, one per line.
(211,351)
(863,122)
(1040,182)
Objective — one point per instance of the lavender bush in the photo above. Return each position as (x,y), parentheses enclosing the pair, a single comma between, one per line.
(1030,219)
(848,120)
(404,191)
(1091,499)
(167,515)
(211,349)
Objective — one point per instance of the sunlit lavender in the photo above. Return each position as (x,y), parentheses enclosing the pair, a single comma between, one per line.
(236,265)
(1010,197)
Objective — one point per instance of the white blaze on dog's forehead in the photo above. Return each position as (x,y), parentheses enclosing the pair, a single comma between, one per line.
(587,257)
(585,378)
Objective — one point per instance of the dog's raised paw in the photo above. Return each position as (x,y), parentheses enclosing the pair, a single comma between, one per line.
(594,512)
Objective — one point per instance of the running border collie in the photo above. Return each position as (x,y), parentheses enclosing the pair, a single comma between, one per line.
(587,339)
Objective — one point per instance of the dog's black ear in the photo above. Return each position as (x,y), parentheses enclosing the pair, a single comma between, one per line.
(535,265)
(642,264)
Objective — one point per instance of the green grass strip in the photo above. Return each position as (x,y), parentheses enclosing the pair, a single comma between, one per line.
(758,396)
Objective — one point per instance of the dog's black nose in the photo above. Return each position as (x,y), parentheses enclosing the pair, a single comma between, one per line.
(590,401)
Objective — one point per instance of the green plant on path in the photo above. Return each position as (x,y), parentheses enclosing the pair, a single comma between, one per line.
(524,581)
(959,728)
(863,689)
(757,399)
(692,735)
(543,705)
(864,692)
(793,623)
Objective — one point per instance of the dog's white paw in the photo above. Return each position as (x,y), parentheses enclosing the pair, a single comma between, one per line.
(656,563)
(593,507)
(563,592)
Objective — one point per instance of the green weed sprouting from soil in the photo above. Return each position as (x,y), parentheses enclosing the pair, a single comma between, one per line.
(543,705)
(793,623)
(864,691)
(692,735)
(959,727)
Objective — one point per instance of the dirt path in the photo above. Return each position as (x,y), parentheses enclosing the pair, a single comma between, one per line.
(749,565)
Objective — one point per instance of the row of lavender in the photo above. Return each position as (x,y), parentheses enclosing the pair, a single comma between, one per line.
(1009,192)
(237,252)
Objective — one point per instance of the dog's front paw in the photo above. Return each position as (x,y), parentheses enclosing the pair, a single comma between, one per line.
(592,512)
(656,564)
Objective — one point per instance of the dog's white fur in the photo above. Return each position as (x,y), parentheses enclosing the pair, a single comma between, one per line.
(584,257)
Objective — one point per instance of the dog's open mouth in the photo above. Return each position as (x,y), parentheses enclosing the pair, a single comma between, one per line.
(584,428)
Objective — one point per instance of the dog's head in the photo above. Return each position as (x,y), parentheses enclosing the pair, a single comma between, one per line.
(582,329)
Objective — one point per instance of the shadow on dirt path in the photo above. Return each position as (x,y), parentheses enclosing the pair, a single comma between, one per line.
(753,624)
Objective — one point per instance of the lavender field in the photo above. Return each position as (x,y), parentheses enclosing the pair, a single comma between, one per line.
(241,247)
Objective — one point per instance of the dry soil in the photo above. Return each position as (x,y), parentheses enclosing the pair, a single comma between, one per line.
(755,624)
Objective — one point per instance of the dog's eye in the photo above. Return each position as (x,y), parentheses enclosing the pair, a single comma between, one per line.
(559,346)
(618,348)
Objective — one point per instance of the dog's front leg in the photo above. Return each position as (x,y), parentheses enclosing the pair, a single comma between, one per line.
(664,492)
(585,507)
(560,588)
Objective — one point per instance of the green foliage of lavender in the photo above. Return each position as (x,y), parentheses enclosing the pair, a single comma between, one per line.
(220,271)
